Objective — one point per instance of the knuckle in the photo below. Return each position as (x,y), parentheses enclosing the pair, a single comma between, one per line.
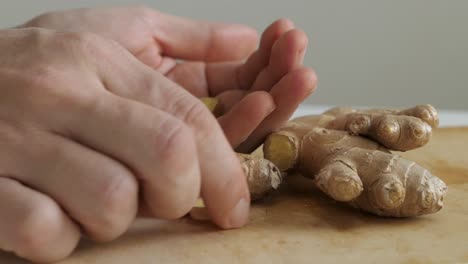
(91,46)
(118,205)
(43,218)
(313,75)
(310,77)
(85,103)
(175,138)
(197,116)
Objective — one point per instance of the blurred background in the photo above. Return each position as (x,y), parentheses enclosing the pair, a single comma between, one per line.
(366,53)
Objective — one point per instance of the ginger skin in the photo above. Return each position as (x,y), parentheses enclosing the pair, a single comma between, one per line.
(262,175)
(360,170)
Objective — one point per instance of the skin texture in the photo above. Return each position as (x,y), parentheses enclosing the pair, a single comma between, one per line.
(111,127)
(331,149)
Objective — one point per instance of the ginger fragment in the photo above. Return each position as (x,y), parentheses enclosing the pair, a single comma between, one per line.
(262,175)
(213,104)
(199,211)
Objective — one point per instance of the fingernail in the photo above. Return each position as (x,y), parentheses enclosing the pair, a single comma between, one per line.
(239,214)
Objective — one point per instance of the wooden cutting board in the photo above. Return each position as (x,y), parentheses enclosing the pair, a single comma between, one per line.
(299,225)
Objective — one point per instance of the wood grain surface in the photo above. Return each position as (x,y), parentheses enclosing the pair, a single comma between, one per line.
(300,225)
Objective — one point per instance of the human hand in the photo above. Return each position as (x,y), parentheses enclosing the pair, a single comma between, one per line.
(84,129)
(259,95)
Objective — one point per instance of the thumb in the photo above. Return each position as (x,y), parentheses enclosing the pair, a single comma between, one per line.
(189,39)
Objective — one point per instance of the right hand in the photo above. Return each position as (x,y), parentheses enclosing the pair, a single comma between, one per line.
(207,59)
(84,129)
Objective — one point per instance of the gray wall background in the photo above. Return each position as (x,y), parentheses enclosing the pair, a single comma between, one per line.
(366,52)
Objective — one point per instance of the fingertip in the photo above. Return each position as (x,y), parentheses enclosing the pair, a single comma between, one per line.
(261,101)
(273,32)
(299,37)
(226,194)
(282,24)
(303,82)
(309,78)
(294,41)
(287,55)
(238,216)
(286,21)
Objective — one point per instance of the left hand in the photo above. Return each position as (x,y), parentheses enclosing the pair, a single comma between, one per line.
(259,95)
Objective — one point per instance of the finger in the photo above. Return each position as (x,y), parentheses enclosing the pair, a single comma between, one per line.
(96,191)
(339,181)
(215,78)
(204,41)
(258,60)
(33,226)
(224,186)
(157,147)
(229,76)
(229,99)
(245,116)
(151,56)
(191,76)
(287,94)
(287,55)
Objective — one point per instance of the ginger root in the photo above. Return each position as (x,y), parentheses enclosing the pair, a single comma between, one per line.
(361,170)
(347,153)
